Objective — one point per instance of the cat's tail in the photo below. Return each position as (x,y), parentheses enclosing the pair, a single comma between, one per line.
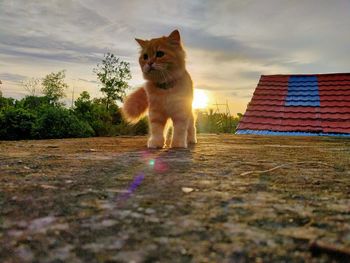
(135,105)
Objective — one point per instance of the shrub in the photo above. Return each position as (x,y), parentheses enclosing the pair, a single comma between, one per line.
(33,102)
(16,124)
(58,122)
(6,102)
(139,128)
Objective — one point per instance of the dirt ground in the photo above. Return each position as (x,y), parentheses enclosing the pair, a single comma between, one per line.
(227,199)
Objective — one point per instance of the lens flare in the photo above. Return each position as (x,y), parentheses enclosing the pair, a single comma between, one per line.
(151,162)
(133,186)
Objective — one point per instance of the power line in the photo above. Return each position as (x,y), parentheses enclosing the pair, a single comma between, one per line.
(227,115)
(227,108)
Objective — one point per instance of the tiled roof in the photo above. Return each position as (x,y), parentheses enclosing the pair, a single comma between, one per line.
(304,104)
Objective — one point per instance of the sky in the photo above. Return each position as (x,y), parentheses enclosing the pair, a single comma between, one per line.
(229,43)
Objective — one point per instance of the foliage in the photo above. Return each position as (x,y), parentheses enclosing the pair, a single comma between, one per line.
(35,118)
(140,128)
(113,74)
(42,117)
(105,122)
(217,122)
(83,106)
(6,102)
(16,124)
(54,86)
(33,102)
(58,122)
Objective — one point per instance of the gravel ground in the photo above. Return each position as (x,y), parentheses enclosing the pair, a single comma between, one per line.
(227,199)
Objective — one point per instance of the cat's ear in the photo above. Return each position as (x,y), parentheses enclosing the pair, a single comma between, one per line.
(141,42)
(174,37)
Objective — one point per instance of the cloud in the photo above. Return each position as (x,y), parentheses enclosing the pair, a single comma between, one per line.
(56,30)
(89,81)
(12,77)
(229,43)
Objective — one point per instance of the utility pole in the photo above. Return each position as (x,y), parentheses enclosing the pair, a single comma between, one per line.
(0,88)
(226,115)
(72,98)
(227,108)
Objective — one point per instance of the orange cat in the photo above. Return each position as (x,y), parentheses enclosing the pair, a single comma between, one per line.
(167,93)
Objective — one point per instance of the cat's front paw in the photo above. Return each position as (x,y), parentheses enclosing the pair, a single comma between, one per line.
(179,144)
(154,143)
(192,141)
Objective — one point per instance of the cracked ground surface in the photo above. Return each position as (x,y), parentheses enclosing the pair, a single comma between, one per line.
(228,199)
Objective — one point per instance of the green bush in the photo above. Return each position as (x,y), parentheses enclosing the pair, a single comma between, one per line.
(17,124)
(58,122)
(216,122)
(33,102)
(102,120)
(6,102)
(139,128)
(34,117)
(2,126)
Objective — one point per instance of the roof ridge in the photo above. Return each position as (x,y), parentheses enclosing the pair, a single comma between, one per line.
(310,74)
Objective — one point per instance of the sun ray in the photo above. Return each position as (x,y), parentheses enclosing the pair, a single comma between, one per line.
(200,99)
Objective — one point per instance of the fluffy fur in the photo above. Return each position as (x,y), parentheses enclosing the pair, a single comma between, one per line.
(167,93)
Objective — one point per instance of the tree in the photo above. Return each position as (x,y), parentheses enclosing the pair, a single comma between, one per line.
(54,86)
(83,106)
(33,102)
(113,74)
(31,85)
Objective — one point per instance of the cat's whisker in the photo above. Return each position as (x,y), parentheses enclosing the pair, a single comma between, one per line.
(169,76)
(163,75)
(157,66)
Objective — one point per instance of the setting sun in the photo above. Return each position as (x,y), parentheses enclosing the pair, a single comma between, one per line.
(200,99)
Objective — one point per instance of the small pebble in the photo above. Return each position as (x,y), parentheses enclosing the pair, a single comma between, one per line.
(187,190)
(150,211)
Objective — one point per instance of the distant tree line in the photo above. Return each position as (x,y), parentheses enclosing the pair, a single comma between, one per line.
(44,116)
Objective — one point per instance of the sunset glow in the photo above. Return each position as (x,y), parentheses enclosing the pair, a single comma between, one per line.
(40,37)
(200,99)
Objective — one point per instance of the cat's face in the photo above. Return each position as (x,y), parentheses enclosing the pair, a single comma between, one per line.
(162,59)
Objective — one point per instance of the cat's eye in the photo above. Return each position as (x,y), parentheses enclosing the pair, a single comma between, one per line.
(159,54)
(145,56)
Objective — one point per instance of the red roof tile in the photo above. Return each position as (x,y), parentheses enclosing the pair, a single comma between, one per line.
(345,92)
(304,103)
(335,104)
(334,87)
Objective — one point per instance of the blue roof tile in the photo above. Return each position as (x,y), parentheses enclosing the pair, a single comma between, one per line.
(303,92)
(265,132)
(301,104)
(310,95)
(302,98)
(302,78)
